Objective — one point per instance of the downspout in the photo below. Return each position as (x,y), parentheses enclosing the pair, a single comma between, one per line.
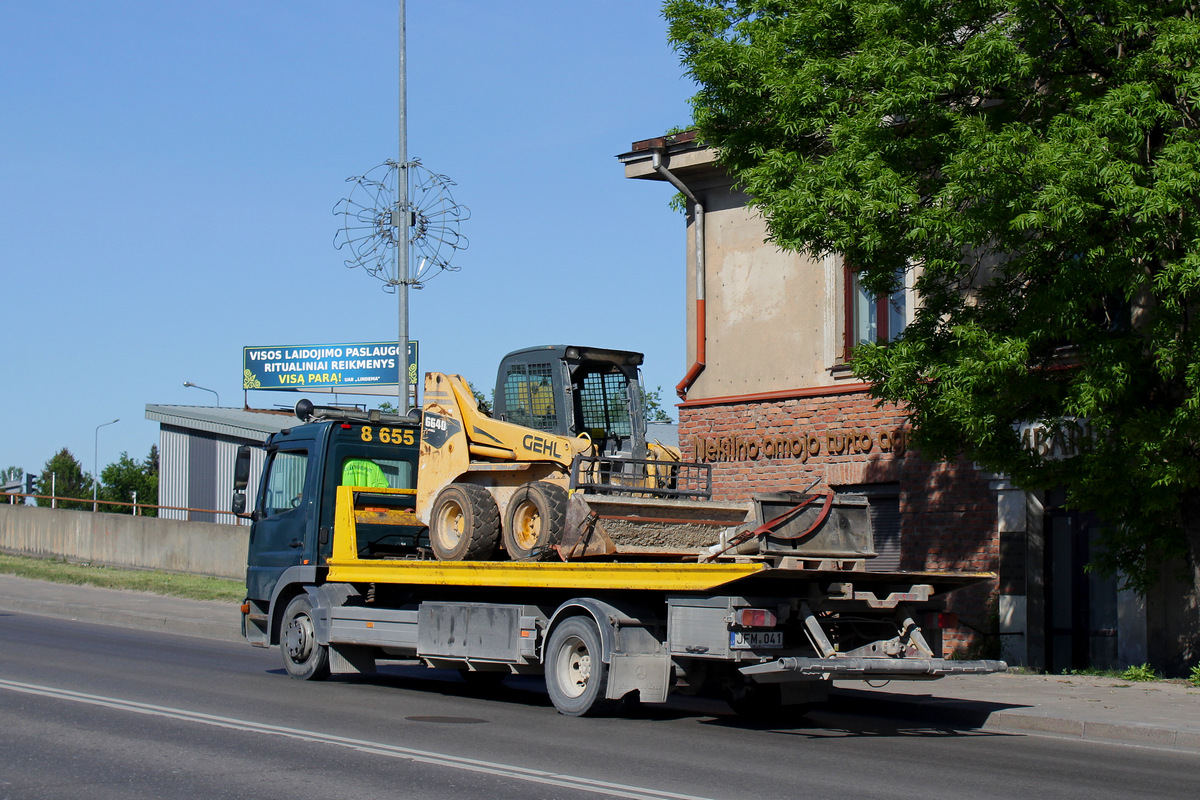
(684,385)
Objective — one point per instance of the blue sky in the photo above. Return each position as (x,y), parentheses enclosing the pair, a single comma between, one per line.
(169,172)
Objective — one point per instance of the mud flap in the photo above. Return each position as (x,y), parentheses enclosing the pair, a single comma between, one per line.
(351,659)
(649,675)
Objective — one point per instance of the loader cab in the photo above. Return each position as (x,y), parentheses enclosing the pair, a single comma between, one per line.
(569,390)
(293,519)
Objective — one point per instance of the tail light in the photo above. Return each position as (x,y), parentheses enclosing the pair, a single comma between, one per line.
(755,618)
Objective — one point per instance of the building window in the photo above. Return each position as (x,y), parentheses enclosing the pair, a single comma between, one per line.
(870,318)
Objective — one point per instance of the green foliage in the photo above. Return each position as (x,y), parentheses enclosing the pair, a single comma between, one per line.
(195,587)
(121,479)
(1036,167)
(1143,672)
(66,477)
(654,407)
(678,202)
(484,404)
(12,474)
(1194,676)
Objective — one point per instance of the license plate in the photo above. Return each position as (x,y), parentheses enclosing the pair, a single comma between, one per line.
(755,640)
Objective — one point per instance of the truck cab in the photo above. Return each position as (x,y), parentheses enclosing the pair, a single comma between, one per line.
(291,533)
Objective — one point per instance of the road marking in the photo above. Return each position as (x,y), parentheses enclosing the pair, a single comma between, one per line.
(362,745)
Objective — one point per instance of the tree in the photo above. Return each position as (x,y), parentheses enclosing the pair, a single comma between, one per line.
(65,476)
(12,474)
(125,477)
(1036,166)
(484,404)
(654,408)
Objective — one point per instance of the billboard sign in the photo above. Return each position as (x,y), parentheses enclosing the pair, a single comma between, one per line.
(324,366)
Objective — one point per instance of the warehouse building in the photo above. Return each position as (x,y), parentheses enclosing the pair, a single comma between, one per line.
(197,447)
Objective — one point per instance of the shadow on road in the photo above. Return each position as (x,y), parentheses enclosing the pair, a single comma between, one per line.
(846,715)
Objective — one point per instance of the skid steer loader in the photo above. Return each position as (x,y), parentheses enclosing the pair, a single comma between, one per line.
(569,423)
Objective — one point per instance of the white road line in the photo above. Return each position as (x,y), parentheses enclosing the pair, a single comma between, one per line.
(376,748)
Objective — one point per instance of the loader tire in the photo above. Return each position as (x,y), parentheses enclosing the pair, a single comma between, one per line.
(464,524)
(534,521)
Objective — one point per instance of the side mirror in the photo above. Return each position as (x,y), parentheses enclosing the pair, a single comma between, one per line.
(239,503)
(241,472)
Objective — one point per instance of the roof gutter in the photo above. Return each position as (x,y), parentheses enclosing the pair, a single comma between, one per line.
(657,161)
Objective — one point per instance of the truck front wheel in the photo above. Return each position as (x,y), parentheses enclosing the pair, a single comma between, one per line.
(534,521)
(303,657)
(576,675)
(464,524)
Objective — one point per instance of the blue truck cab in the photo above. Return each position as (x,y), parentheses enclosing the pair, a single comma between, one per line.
(291,533)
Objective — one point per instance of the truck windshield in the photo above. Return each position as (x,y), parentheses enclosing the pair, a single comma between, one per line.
(376,473)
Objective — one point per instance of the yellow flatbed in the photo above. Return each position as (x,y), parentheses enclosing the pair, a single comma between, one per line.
(682,577)
(670,574)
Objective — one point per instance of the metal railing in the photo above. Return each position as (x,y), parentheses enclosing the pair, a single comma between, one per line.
(641,477)
(122,506)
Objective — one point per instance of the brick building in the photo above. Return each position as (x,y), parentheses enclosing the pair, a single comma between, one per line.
(769,401)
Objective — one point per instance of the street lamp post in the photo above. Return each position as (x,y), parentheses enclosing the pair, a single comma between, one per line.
(96,464)
(194,386)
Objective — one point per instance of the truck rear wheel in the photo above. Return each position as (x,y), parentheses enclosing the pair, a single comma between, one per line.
(534,521)
(464,524)
(576,675)
(303,657)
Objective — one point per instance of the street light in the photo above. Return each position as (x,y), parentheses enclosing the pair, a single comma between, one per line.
(96,463)
(194,386)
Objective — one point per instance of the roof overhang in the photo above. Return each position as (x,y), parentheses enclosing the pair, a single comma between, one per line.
(234,423)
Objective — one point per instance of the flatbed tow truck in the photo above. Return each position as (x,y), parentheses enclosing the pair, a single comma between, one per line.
(343,577)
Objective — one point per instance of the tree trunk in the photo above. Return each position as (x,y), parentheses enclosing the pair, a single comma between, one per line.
(1189,607)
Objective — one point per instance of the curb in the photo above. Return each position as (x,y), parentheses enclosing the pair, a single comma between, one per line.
(998,718)
(1129,733)
(182,626)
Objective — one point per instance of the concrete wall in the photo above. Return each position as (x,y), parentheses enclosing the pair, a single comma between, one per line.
(123,540)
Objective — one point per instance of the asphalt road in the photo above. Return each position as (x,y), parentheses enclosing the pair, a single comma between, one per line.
(98,712)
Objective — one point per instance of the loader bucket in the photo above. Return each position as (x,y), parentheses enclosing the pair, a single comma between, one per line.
(605,525)
(822,525)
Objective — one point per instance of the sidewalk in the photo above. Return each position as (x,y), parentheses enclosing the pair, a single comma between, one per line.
(143,610)
(1157,714)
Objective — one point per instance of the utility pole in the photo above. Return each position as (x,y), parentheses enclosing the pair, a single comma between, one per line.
(400,219)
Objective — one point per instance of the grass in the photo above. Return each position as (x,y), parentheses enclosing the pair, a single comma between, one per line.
(192,587)
(1144,672)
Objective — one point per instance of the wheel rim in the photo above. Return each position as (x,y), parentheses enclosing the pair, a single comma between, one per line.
(298,638)
(451,524)
(527,526)
(574,667)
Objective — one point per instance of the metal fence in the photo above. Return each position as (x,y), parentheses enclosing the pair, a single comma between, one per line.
(114,506)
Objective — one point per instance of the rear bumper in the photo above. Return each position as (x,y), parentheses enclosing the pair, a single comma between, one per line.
(788,669)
